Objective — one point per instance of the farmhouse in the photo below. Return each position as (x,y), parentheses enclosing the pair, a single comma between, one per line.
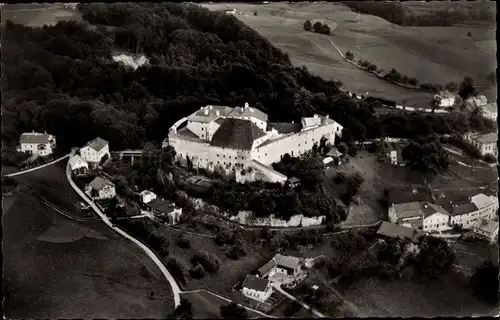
(165,209)
(486,143)
(41,144)
(394,231)
(478,207)
(282,269)
(241,142)
(486,228)
(445,98)
(489,111)
(78,165)
(100,188)
(478,101)
(256,288)
(95,150)
(425,216)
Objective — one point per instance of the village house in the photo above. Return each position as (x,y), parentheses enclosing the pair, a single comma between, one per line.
(100,188)
(486,228)
(35,143)
(477,207)
(94,151)
(489,111)
(445,98)
(165,209)
(147,196)
(282,269)
(293,182)
(424,216)
(336,155)
(395,157)
(241,142)
(478,101)
(256,288)
(390,230)
(78,165)
(486,143)
(234,11)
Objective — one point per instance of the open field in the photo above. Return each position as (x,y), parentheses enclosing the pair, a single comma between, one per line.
(431,54)
(38,15)
(57,268)
(406,297)
(51,183)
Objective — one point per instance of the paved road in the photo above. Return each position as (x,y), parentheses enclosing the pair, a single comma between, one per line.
(175,288)
(39,167)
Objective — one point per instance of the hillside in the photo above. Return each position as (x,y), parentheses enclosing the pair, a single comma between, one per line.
(431,54)
(63,79)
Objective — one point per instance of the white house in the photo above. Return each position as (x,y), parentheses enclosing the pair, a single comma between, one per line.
(479,207)
(256,288)
(486,143)
(78,164)
(231,11)
(490,111)
(487,229)
(147,196)
(165,209)
(242,142)
(42,144)
(478,101)
(100,188)
(445,98)
(424,216)
(95,150)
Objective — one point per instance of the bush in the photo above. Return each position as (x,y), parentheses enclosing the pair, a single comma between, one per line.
(490,158)
(183,242)
(178,270)
(307,25)
(197,271)
(349,55)
(208,261)
(236,251)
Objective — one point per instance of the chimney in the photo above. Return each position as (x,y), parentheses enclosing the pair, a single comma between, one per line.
(246,105)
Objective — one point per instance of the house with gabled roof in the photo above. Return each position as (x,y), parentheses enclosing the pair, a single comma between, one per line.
(486,143)
(42,144)
(95,150)
(100,188)
(78,165)
(478,207)
(282,268)
(390,230)
(425,216)
(241,143)
(487,229)
(256,288)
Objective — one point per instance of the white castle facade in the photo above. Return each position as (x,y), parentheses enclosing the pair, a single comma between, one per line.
(241,141)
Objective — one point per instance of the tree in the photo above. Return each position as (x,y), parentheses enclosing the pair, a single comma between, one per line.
(469,34)
(233,311)
(426,155)
(485,282)
(349,55)
(490,158)
(307,25)
(318,27)
(197,271)
(184,310)
(467,89)
(434,259)
(435,103)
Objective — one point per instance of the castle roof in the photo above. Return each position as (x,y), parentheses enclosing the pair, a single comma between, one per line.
(236,134)
(248,112)
(210,113)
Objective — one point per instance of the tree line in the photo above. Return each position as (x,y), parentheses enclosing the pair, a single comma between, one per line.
(62,79)
(317,27)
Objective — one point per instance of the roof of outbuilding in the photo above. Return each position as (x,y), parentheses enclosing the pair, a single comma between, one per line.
(255,283)
(35,137)
(97,144)
(486,225)
(394,231)
(236,134)
(98,183)
(74,160)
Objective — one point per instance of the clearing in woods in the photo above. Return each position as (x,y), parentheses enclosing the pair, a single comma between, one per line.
(38,15)
(431,54)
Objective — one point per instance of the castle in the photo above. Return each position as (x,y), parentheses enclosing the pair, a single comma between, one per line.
(242,142)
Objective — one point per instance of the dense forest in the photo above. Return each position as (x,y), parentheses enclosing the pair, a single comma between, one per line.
(446,14)
(61,79)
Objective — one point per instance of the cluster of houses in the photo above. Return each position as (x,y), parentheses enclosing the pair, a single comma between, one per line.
(485,143)
(279,270)
(431,216)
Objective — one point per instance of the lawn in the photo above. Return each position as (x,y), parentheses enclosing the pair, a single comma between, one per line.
(51,183)
(206,305)
(57,268)
(409,298)
(431,54)
(38,15)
